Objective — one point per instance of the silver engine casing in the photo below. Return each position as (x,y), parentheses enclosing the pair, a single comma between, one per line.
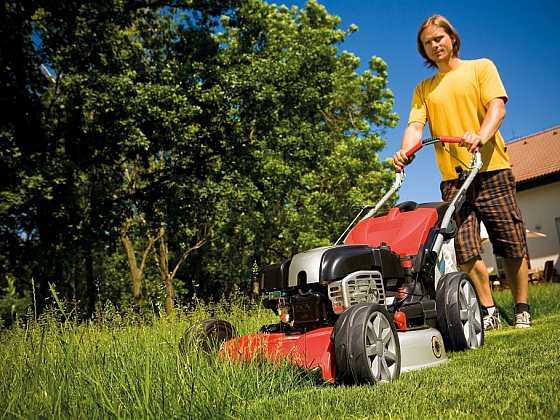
(308,262)
(356,287)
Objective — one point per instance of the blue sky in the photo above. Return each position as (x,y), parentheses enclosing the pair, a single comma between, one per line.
(521,37)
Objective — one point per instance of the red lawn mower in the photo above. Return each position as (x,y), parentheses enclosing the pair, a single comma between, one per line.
(384,299)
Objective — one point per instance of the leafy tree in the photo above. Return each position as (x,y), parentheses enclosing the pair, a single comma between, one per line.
(190,139)
(310,130)
(25,159)
(135,129)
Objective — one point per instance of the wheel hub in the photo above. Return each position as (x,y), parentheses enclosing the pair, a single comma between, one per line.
(380,348)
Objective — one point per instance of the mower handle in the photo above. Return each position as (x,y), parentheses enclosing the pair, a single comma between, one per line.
(399,178)
(442,139)
(432,140)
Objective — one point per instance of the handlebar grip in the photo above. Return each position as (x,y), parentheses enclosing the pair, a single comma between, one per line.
(449,139)
(420,144)
(410,152)
(414,149)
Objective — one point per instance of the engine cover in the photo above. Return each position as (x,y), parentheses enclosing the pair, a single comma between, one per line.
(335,262)
(275,276)
(330,263)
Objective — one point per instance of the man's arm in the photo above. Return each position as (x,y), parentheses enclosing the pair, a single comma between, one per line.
(412,135)
(496,111)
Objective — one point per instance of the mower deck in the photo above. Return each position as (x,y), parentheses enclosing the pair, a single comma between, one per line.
(420,348)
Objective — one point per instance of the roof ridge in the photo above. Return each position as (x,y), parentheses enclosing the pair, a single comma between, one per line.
(557,127)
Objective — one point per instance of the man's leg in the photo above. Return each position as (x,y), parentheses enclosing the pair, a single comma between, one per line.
(518,278)
(518,281)
(478,272)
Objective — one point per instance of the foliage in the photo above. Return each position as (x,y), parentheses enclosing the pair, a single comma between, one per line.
(152,150)
(308,125)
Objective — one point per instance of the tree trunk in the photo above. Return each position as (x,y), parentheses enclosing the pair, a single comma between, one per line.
(169,295)
(162,262)
(135,271)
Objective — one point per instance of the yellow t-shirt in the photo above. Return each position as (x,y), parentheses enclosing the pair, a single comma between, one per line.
(455,102)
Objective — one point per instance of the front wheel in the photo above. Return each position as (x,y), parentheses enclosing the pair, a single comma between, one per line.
(459,314)
(208,335)
(367,348)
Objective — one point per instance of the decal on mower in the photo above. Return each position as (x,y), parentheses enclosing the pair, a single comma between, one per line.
(437,347)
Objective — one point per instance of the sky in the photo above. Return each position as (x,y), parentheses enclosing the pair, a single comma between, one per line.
(521,37)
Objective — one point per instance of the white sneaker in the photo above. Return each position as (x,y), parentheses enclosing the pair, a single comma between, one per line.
(492,322)
(523,320)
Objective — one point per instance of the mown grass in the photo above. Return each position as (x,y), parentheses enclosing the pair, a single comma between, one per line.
(118,367)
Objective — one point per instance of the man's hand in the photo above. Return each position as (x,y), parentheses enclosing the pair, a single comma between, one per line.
(471,141)
(400,160)
(412,136)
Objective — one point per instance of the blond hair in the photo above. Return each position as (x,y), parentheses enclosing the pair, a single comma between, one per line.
(443,23)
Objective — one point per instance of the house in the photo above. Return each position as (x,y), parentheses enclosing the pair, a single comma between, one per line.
(535,162)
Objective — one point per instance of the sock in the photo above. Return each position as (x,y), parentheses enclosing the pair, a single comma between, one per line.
(488,310)
(521,307)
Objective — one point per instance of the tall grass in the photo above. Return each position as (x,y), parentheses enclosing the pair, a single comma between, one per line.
(117,367)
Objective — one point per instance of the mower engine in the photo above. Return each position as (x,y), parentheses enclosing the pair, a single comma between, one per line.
(313,288)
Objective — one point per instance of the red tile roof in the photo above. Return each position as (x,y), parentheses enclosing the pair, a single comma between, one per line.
(535,156)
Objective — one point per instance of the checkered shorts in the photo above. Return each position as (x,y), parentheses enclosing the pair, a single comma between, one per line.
(490,199)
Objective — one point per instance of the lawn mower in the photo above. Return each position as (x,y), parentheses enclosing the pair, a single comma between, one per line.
(384,299)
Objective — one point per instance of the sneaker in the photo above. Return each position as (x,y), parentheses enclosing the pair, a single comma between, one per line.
(492,322)
(522,320)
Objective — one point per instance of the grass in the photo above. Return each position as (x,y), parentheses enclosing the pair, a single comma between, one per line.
(116,367)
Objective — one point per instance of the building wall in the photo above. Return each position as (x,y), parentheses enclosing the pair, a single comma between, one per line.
(541,211)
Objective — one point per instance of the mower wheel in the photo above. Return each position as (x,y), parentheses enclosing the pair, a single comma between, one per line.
(209,335)
(459,314)
(367,348)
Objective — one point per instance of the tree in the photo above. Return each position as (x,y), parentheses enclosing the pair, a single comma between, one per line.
(309,128)
(189,139)
(129,126)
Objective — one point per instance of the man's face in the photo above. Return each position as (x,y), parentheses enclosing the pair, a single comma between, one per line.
(438,45)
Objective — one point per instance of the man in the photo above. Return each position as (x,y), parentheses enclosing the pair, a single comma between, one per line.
(466,99)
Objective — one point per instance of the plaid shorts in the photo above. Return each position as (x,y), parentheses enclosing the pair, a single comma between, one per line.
(490,199)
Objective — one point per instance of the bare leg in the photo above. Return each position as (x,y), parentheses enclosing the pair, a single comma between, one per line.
(477,270)
(517,277)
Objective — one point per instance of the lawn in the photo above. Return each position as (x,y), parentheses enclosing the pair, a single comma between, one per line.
(118,367)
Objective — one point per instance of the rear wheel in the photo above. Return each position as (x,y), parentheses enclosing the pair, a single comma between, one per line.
(208,335)
(459,314)
(367,348)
